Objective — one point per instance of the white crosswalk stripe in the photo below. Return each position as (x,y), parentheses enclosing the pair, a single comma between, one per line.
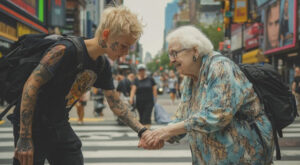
(117,145)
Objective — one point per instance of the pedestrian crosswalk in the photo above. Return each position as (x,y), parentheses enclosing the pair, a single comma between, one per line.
(106,143)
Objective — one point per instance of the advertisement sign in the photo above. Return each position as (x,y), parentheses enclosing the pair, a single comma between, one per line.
(240,11)
(8,28)
(57,12)
(34,8)
(279,26)
(261,2)
(28,5)
(251,35)
(236,36)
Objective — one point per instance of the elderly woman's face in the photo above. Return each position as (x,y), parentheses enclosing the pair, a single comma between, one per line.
(181,58)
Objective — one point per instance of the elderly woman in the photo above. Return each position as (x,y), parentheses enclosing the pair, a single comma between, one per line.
(215,91)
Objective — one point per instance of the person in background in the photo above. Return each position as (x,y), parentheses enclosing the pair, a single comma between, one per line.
(124,86)
(81,103)
(216,93)
(296,87)
(144,88)
(98,97)
(172,84)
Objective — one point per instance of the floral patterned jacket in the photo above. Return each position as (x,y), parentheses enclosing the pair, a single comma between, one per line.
(208,108)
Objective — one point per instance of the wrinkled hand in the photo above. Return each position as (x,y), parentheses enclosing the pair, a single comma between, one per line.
(145,145)
(154,138)
(24,151)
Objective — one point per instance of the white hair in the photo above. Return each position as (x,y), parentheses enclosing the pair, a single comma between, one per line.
(188,37)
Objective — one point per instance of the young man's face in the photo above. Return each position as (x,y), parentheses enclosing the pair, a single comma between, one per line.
(119,46)
(273,26)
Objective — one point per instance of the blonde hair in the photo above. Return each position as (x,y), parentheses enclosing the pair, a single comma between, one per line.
(120,20)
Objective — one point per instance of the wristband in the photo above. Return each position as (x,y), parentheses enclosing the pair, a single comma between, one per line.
(141,131)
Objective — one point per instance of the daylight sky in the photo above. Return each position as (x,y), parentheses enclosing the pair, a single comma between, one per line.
(152,13)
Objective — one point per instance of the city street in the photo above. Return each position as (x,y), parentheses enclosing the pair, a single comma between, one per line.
(104,142)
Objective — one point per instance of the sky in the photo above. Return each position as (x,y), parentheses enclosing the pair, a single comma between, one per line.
(152,13)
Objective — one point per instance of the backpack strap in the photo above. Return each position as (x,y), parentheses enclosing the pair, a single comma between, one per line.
(79,50)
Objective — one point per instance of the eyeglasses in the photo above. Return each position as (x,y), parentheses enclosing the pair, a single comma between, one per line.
(174,53)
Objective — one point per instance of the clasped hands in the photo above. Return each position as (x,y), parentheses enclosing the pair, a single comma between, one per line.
(154,139)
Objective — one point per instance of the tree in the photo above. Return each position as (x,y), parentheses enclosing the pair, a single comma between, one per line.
(161,60)
(213,33)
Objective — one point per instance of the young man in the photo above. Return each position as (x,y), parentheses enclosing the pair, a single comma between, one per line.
(41,127)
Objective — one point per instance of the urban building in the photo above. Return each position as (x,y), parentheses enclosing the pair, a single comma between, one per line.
(264,31)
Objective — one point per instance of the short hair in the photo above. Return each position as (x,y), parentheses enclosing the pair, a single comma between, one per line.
(189,36)
(120,20)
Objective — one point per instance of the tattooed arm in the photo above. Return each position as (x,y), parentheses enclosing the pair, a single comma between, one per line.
(40,75)
(121,110)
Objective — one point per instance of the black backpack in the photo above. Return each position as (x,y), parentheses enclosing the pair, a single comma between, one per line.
(17,65)
(279,102)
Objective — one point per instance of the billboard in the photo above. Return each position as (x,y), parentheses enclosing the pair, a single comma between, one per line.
(236,37)
(279,26)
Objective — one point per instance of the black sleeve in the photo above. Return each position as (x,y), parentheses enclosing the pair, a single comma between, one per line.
(54,68)
(135,82)
(105,79)
(152,81)
(119,87)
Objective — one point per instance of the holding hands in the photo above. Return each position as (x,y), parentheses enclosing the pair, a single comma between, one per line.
(155,139)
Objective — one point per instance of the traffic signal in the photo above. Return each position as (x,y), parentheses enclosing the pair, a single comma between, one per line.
(219,29)
(226,12)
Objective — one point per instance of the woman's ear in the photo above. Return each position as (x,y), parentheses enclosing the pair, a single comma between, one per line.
(196,50)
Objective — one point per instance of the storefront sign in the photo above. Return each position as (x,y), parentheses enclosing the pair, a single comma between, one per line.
(254,56)
(236,37)
(23,29)
(240,11)
(8,31)
(280,26)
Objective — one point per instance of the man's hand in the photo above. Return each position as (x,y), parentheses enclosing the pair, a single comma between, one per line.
(24,151)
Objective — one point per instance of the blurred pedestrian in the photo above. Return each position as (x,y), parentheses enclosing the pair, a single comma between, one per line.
(296,87)
(98,97)
(80,107)
(215,94)
(172,84)
(41,117)
(144,89)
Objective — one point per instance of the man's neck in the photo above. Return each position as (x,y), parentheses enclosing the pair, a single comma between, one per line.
(93,48)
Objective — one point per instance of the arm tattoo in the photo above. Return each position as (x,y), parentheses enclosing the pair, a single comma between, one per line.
(38,77)
(54,55)
(114,46)
(102,43)
(122,110)
(24,144)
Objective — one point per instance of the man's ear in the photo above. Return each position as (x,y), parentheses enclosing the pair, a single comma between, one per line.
(105,34)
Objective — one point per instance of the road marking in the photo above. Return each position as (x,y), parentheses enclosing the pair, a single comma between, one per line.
(99,119)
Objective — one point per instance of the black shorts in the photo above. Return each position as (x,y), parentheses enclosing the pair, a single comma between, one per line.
(83,103)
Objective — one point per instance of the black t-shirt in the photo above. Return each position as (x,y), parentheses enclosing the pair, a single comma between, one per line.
(297,81)
(67,85)
(124,86)
(144,89)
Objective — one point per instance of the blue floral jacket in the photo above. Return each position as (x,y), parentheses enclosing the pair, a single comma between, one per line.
(208,107)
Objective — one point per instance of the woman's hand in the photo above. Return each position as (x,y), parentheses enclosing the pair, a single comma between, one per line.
(154,138)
